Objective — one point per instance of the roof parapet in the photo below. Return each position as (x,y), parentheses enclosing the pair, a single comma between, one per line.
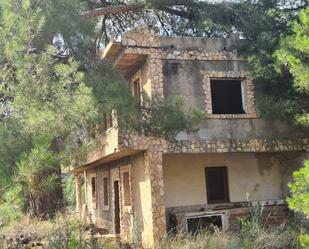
(148,37)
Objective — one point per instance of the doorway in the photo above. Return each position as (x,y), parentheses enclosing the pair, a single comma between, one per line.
(116,207)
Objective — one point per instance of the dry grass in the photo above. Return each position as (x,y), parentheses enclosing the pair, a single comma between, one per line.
(219,240)
(67,232)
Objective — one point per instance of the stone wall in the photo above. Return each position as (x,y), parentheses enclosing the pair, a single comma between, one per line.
(136,141)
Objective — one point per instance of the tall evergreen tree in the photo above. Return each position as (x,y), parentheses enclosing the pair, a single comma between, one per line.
(54,93)
(49,99)
(293,55)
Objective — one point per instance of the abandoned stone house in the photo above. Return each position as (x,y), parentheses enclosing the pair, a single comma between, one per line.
(144,186)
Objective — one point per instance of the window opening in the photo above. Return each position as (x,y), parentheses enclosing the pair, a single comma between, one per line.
(105,191)
(93,190)
(93,186)
(137,90)
(228,97)
(209,223)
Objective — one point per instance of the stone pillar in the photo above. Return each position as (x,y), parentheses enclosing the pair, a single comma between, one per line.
(155,168)
(79,195)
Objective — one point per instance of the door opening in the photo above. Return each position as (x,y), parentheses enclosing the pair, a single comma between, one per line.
(116,208)
(217,185)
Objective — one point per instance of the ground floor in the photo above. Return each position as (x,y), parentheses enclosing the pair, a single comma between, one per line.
(145,194)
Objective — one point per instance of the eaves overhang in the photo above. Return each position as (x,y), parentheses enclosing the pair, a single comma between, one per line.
(126,63)
(122,153)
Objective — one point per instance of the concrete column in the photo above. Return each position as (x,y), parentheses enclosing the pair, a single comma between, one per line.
(79,195)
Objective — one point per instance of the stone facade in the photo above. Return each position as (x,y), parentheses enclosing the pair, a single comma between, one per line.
(136,141)
(142,156)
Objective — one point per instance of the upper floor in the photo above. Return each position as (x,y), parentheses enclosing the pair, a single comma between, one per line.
(211,77)
(206,71)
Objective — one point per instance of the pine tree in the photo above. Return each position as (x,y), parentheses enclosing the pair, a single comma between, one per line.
(293,56)
(54,94)
(47,96)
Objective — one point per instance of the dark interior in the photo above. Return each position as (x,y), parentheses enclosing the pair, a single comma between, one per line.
(226,97)
(105,185)
(93,186)
(116,207)
(208,223)
(217,185)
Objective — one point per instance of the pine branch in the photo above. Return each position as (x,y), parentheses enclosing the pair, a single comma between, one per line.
(118,9)
(113,10)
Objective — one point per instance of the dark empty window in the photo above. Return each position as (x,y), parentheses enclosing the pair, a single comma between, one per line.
(105,191)
(227,97)
(94,192)
(216,184)
(209,223)
(137,90)
(93,187)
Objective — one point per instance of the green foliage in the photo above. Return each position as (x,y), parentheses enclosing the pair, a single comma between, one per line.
(38,163)
(299,200)
(50,103)
(164,117)
(56,94)
(304,241)
(69,189)
(251,226)
(11,206)
(13,143)
(293,55)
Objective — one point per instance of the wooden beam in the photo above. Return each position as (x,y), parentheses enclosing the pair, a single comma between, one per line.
(113,10)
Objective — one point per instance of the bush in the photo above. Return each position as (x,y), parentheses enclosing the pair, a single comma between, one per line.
(63,232)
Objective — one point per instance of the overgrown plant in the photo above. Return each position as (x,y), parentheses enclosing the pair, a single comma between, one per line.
(251,226)
(299,200)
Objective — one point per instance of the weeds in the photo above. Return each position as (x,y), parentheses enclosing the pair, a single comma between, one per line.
(68,232)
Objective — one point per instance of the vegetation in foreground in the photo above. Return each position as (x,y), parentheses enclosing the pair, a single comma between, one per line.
(68,232)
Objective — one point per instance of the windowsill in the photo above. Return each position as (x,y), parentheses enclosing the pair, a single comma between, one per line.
(233,116)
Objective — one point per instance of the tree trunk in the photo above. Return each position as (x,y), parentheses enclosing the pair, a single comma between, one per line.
(44,204)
